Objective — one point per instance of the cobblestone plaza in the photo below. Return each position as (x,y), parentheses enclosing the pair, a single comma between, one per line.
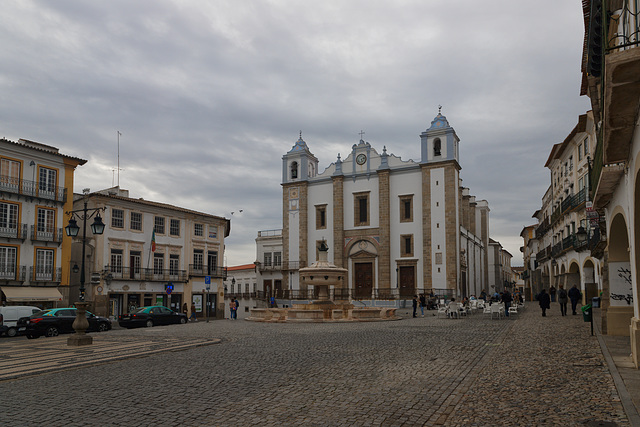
(527,370)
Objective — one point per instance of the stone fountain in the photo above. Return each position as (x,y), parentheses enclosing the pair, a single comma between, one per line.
(322,275)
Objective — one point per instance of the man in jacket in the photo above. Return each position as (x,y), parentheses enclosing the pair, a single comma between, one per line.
(544,301)
(562,299)
(506,299)
(574,296)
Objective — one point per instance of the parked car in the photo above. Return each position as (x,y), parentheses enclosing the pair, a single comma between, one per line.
(10,315)
(151,316)
(56,321)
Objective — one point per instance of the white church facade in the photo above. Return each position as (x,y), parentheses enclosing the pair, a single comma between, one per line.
(399,227)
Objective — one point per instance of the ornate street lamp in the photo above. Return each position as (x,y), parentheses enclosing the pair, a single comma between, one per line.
(80,324)
(582,235)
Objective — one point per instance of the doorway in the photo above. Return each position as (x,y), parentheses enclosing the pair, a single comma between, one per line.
(407,277)
(363,280)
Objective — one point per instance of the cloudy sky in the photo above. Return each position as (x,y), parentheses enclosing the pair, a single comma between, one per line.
(209,95)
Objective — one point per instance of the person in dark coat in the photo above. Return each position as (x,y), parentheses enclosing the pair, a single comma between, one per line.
(562,300)
(552,294)
(545,302)
(506,299)
(574,296)
(415,305)
(423,303)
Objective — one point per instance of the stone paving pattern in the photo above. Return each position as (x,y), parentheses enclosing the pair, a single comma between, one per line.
(527,370)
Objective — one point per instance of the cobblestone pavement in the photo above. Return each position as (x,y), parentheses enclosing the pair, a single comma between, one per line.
(526,370)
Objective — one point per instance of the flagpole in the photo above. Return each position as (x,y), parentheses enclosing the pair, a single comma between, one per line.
(119,158)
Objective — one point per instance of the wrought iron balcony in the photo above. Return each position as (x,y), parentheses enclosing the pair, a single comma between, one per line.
(32,189)
(45,274)
(270,233)
(146,274)
(13,273)
(293,265)
(207,270)
(276,266)
(19,231)
(47,235)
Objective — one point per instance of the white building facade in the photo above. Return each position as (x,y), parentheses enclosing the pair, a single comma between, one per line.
(399,227)
(148,246)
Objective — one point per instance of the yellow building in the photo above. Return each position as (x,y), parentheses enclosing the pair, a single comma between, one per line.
(36,188)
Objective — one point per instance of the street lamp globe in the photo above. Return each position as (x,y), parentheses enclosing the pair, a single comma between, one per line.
(72,229)
(581,234)
(98,226)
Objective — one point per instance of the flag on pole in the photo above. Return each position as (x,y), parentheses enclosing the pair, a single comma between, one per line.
(153,241)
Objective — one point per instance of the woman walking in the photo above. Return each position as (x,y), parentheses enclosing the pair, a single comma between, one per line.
(544,301)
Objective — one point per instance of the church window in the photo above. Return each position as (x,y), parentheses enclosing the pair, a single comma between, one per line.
(321,217)
(406,208)
(294,170)
(406,243)
(437,147)
(361,209)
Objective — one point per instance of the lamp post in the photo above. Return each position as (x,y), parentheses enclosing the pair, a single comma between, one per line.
(80,324)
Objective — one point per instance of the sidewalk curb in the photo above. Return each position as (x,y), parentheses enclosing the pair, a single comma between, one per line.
(625,398)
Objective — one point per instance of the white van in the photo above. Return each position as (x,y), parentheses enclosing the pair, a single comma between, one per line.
(11,314)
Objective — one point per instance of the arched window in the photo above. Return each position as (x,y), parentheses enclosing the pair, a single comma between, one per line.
(437,147)
(294,170)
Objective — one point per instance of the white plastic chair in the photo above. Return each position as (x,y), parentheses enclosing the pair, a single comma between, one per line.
(442,310)
(486,309)
(513,310)
(454,310)
(497,309)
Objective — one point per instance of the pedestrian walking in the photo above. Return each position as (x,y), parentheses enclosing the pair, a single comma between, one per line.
(193,312)
(506,299)
(574,296)
(235,312)
(552,294)
(545,302)
(423,303)
(415,305)
(562,300)
(184,309)
(232,308)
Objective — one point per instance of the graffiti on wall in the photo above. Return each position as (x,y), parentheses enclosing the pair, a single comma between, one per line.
(620,284)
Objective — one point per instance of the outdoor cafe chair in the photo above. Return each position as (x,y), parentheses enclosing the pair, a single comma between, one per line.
(497,309)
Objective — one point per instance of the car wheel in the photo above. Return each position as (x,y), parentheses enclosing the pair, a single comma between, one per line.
(12,332)
(183,320)
(32,337)
(149,323)
(51,331)
(103,327)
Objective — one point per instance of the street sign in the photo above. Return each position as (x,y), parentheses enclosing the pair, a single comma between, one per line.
(208,286)
(169,288)
(207,280)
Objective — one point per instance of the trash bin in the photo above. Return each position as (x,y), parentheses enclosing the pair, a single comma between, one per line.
(595,302)
(586,313)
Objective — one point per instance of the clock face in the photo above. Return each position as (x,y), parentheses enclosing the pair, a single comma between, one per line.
(361,159)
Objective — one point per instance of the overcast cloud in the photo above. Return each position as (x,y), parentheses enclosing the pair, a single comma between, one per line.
(209,95)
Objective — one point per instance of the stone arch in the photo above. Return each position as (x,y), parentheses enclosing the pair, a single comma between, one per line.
(620,294)
(572,276)
(636,227)
(589,275)
(618,239)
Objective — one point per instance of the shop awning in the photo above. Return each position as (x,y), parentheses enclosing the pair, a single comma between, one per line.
(27,293)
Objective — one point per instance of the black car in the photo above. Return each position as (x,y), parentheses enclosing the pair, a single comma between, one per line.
(151,316)
(56,321)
